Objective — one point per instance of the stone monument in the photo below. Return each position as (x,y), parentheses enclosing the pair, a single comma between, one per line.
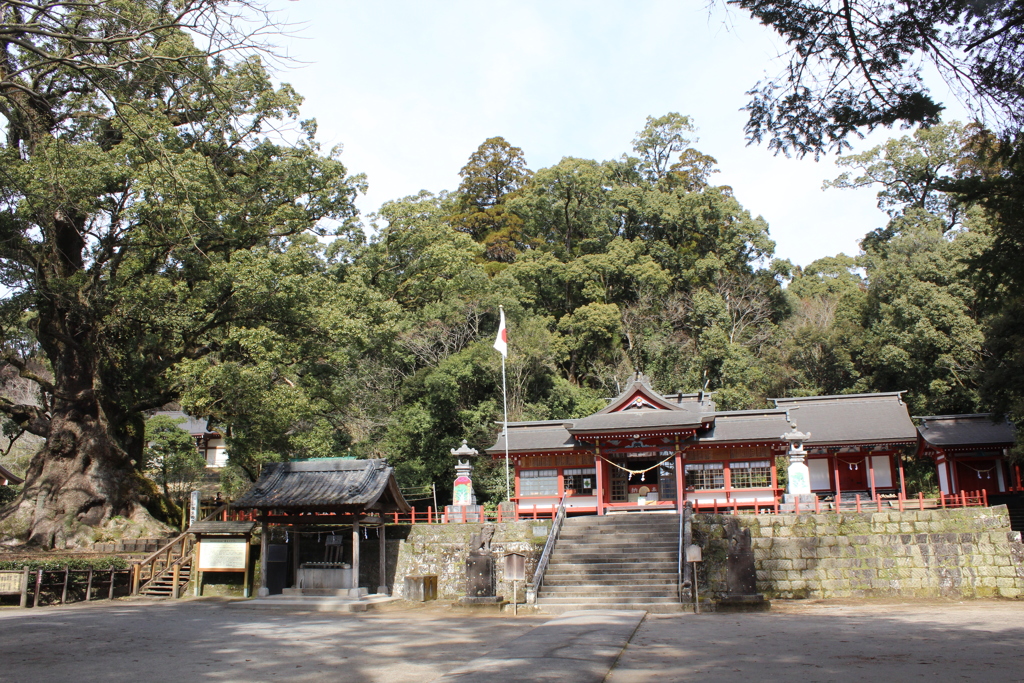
(740,576)
(464,507)
(480,571)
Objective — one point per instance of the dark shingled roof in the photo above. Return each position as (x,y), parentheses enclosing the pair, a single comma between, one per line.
(212,527)
(851,418)
(536,437)
(326,484)
(686,416)
(966,430)
(10,476)
(747,425)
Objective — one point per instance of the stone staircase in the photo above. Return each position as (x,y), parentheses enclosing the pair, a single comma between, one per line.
(620,561)
(163,585)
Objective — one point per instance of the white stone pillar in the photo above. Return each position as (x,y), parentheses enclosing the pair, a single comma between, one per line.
(798,474)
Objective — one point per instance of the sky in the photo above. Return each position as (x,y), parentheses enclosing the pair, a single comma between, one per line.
(411,89)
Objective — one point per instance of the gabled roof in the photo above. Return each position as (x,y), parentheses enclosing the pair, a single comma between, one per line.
(639,407)
(741,426)
(978,429)
(325,485)
(679,418)
(851,418)
(8,477)
(639,395)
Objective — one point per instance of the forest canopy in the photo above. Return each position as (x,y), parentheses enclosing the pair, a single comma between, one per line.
(160,244)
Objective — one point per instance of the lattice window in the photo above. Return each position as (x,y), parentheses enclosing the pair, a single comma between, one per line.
(619,480)
(580,479)
(667,481)
(538,483)
(705,475)
(755,474)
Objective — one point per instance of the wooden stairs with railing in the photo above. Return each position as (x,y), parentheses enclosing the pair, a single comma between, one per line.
(163,585)
(166,572)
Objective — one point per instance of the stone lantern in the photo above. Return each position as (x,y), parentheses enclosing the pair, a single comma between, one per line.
(798,487)
(463,493)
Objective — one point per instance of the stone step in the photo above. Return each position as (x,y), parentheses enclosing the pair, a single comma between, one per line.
(616,544)
(628,566)
(604,600)
(611,579)
(590,551)
(620,537)
(606,591)
(599,558)
(656,608)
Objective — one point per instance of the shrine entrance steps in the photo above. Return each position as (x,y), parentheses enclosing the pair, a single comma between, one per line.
(618,561)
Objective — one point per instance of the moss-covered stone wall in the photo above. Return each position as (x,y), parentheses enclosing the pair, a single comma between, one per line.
(962,553)
(442,549)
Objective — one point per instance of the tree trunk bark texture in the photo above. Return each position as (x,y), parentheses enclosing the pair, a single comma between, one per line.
(78,481)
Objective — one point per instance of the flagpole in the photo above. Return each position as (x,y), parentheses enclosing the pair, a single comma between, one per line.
(504,401)
(501,345)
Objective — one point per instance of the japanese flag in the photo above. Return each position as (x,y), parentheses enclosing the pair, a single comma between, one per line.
(501,341)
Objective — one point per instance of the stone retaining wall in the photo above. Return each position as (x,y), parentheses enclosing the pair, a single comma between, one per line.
(961,553)
(442,549)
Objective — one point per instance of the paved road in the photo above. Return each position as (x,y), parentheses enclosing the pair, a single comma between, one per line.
(941,641)
(209,641)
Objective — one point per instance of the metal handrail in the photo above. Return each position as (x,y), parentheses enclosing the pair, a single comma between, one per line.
(549,546)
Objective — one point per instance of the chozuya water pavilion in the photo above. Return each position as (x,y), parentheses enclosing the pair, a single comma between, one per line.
(646,450)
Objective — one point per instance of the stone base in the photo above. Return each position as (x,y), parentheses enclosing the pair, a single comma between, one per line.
(469,513)
(742,603)
(492,603)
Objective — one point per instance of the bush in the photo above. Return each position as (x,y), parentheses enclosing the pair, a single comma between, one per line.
(48,565)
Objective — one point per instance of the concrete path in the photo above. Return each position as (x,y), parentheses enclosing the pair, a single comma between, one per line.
(577,647)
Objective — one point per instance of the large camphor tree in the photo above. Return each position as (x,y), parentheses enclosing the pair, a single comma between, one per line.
(138,171)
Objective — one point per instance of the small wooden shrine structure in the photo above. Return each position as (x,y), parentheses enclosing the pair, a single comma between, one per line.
(970,452)
(324,493)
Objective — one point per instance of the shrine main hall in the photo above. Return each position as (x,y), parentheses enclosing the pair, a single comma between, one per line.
(648,451)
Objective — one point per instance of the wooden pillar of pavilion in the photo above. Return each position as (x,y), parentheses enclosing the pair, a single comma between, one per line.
(599,470)
(680,479)
(382,580)
(870,462)
(264,547)
(355,558)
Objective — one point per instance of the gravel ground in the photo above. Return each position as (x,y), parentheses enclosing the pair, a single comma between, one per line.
(207,639)
(834,641)
(211,641)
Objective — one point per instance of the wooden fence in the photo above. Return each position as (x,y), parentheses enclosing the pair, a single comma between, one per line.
(65,585)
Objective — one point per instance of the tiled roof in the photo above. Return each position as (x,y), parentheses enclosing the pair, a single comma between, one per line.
(686,416)
(536,437)
(326,484)
(851,418)
(966,430)
(745,426)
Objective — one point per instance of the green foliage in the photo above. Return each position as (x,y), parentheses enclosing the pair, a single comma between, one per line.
(171,457)
(77,563)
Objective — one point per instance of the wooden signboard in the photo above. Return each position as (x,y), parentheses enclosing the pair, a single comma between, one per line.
(10,583)
(223,554)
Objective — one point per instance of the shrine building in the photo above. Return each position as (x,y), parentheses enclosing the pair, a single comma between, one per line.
(646,450)
(970,452)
